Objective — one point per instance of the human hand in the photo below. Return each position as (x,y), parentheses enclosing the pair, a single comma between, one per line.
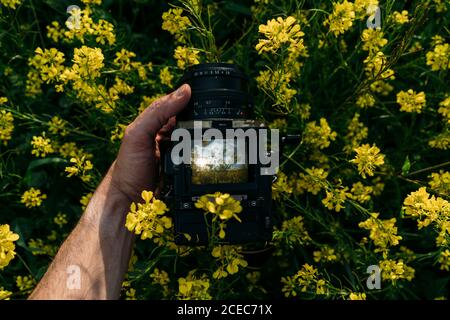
(136,167)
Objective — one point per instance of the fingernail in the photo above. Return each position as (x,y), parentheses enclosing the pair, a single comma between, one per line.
(180,91)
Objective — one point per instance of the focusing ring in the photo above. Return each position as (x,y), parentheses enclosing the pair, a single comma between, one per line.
(219,90)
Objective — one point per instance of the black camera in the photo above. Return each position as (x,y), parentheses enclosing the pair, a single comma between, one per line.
(220,157)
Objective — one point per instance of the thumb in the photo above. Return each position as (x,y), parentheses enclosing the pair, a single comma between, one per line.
(154,117)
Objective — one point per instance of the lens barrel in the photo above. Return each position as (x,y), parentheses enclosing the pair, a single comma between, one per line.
(219,91)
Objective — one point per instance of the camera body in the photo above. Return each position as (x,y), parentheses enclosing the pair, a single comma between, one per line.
(219,103)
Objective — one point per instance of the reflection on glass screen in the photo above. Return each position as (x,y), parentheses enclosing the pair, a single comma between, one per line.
(216,162)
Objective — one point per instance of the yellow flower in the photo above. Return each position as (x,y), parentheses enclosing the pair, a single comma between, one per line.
(440,182)
(11,4)
(118,132)
(293,232)
(58,126)
(41,146)
(281,186)
(81,167)
(279,32)
(357,296)
(382,232)
(97,2)
(341,19)
(84,201)
(6,126)
(60,219)
(166,77)
(305,280)
(410,101)
(401,18)
(7,246)
(229,259)
(441,141)
(444,260)
(25,284)
(373,40)
(186,56)
(336,198)
(325,254)
(193,288)
(367,158)
(360,192)
(426,209)
(33,198)
(365,100)
(87,62)
(161,277)
(439,58)
(319,136)
(148,219)
(393,270)
(48,63)
(221,205)
(175,23)
(313,181)
(356,133)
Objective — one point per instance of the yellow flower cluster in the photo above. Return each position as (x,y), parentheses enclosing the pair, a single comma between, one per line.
(148,219)
(440,182)
(382,232)
(410,101)
(444,260)
(439,58)
(305,280)
(335,198)
(281,186)
(367,158)
(229,260)
(221,205)
(357,296)
(60,220)
(428,209)
(441,141)
(277,83)
(313,181)
(6,126)
(360,192)
(395,270)
(194,288)
(33,198)
(38,247)
(25,283)
(5,294)
(400,17)
(186,56)
(175,23)
(41,146)
(57,126)
(325,254)
(81,167)
(444,109)
(165,77)
(124,61)
(319,136)
(365,100)
(341,19)
(79,25)
(10,4)
(373,40)
(161,277)
(278,33)
(293,232)
(7,246)
(118,132)
(356,133)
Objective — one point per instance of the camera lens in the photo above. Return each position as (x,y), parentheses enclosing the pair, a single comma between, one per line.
(219,91)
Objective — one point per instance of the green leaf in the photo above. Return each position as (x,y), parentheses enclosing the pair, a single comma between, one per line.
(406,166)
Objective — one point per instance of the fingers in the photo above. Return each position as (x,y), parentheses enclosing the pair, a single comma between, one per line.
(155,117)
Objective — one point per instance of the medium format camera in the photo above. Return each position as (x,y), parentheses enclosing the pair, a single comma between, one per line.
(226,152)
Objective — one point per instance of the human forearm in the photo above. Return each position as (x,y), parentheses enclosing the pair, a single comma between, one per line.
(99,247)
